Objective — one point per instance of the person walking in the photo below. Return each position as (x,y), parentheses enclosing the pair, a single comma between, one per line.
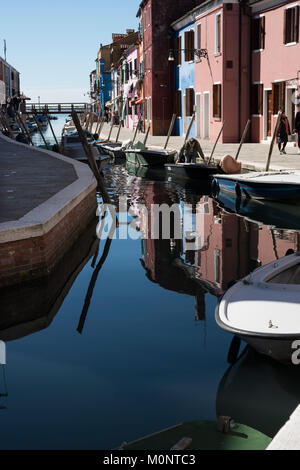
(282,133)
(297,128)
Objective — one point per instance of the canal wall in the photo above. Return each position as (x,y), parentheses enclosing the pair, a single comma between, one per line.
(46,202)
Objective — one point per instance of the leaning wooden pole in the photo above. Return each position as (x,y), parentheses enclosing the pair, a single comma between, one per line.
(23,127)
(119,130)
(6,121)
(273,140)
(215,144)
(40,131)
(147,134)
(91,159)
(170,129)
(98,124)
(110,131)
(189,128)
(243,138)
(136,130)
(53,133)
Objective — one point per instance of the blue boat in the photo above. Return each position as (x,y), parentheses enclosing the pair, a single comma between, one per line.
(281,186)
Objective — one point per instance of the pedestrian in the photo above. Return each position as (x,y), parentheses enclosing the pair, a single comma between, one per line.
(283,132)
(189,152)
(297,128)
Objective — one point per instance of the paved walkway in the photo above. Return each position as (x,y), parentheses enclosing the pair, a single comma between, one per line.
(253,156)
(28,178)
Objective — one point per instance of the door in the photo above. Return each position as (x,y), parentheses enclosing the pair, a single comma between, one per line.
(198,114)
(269,112)
(206,116)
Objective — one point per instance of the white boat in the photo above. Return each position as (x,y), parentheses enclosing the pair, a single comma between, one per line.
(281,185)
(263,309)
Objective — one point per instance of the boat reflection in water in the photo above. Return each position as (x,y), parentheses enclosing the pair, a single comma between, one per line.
(259,392)
(31,307)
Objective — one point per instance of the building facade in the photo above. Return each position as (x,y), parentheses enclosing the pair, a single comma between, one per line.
(9,81)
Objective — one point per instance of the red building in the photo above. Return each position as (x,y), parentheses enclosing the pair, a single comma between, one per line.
(156,19)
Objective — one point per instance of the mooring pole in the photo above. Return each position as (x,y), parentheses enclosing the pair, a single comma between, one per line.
(147,134)
(91,159)
(189,128)
(136,129)
(243,138)
(53,133)
(215,144)
(11,135)
(272,141)
(40,131)
(23,127)
(119,130)
(170,129)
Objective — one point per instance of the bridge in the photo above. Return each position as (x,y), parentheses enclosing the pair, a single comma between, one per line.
(56,108)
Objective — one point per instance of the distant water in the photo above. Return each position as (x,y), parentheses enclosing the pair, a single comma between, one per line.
(57,125)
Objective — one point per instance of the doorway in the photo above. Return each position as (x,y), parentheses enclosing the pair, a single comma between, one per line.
(206,115)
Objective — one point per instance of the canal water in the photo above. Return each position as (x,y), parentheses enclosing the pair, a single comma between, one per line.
(121,340)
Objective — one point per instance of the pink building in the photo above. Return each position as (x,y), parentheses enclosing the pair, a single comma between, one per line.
(275,64)
(132,94)
(222,80)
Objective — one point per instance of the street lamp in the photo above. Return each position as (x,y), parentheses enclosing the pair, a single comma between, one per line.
(197,52)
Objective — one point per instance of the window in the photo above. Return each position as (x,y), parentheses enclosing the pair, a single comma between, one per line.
(218,33)
(258,33)
(149,14)
(291,25)
(217,101)
(198,45)
(178,51)
(145,20)
(278,96)
(189,101)
(189,42)
(257,99)
(130,69)
(178,109)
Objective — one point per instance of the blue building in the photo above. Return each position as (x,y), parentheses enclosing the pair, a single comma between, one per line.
(184,73)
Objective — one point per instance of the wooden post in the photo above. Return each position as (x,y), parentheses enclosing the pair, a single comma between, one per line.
(91,160)
(6,121)
(273,140)
(110,131)
(98,124)
(23,127)
(119,130)
(147,133)
(136,129)
(40,131)
(100,128)
(53,133)
(189,128)
(215,144)
(170,129)
(243,138)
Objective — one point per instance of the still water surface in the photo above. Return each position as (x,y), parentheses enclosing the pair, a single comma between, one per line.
(101,354)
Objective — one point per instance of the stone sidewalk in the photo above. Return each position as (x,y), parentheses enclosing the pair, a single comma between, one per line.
(253,156)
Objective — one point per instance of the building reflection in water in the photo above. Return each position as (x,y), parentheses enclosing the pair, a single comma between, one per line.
(228,247)
(31,307)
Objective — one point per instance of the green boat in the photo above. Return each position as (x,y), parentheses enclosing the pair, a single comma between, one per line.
(203,435)
(141,155)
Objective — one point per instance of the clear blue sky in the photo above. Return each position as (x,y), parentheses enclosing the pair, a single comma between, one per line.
(54,44)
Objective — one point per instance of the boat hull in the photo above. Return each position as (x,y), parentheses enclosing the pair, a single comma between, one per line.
(191,171)
(148,158)
(279,348)
(270,191)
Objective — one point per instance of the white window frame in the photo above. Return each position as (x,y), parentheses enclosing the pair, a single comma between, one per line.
(217,39)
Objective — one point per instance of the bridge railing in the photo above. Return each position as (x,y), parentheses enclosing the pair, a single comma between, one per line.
(56,108)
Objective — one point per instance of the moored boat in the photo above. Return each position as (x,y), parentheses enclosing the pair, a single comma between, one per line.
(192,171)
(141,155)
(263,309)
(272,185)
(203,435)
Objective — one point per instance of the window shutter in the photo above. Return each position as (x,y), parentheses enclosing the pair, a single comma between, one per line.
(178,53)
(284,27)
(177,109)
(260,98)
(217,101)
(282,97)
(262,32)
(199,36)
(186,45)
(296,24)
(275,98)
(192,44)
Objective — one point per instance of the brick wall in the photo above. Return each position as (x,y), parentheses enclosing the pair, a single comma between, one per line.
(31,258)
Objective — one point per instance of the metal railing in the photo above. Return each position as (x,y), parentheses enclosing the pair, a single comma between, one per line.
(57,108)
